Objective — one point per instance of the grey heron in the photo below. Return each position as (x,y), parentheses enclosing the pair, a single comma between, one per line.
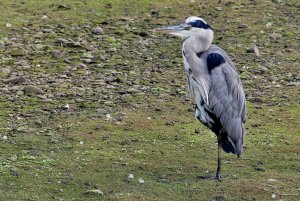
(214,83)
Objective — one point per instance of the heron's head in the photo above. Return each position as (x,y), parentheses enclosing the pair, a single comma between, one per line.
(192,27)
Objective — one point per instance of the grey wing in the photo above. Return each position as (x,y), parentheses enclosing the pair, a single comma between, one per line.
(227,102)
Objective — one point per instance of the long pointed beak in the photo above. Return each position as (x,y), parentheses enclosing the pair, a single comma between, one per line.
(169,29)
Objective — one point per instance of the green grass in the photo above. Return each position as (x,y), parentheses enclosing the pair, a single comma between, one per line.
(55,154)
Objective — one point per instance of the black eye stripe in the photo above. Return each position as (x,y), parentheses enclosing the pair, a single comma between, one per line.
(199,24)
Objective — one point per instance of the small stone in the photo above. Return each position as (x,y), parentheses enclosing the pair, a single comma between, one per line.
(275,36)
(2,45)
(242,26)
(47,30)
(260,168)
(99,127)
(97,31)
(63,42)
(6,71)
(32,90)
(254,49)
(197,130)
(105,137)
(170,123)
(178,137)
(292,84)
(17,52)
(88,61)
(67,106)
(20,93)
(256,99)
(4,137)
(113,49)
(61,26)
(130,176)
(93,192)
(58,54)
(14,80)
(107,117)
(219,197)
(144,33)
(64,7)
(154,14)
(141,180)
(47,100)
(264,70)
(101,111)
(219,8)
(81,142)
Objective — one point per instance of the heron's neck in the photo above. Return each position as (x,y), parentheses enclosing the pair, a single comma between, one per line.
(198,43)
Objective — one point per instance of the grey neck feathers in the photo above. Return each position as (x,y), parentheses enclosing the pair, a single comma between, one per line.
(199,42)
(191,47)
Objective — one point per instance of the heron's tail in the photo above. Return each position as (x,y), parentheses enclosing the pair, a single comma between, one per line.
(230,147)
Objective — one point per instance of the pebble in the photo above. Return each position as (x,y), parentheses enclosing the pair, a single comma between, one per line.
(32,90)
(130,176)
(98,31)
(256,99)
(275,36)
(292,84)
(264,70)
(242,26)
(58,54)
(2,45)
(20,93)
(113,49)
(144,33)
(17,52)
(254,49)
(14,80)
(101,111)
(154,14)
(64,7)
(47,30)
(141,180)
(6,71)
(93,192)
(67,106)
(47,100)
(219,197)
(260,168)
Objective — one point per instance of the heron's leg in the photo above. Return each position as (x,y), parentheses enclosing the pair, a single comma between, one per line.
(218,174)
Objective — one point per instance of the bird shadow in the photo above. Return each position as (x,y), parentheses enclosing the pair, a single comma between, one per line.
(208,177)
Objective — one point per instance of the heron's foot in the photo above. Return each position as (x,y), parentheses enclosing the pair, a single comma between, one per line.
(219,176)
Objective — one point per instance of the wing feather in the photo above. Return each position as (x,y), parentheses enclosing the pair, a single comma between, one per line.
(227,100)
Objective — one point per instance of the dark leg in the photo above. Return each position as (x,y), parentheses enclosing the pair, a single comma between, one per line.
(218,174)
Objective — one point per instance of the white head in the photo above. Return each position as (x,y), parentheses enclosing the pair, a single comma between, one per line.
(194,28)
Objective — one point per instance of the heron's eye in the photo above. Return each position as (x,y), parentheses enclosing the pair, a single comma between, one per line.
(188,27)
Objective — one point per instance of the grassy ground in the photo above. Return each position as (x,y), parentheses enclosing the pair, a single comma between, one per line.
(116,104)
